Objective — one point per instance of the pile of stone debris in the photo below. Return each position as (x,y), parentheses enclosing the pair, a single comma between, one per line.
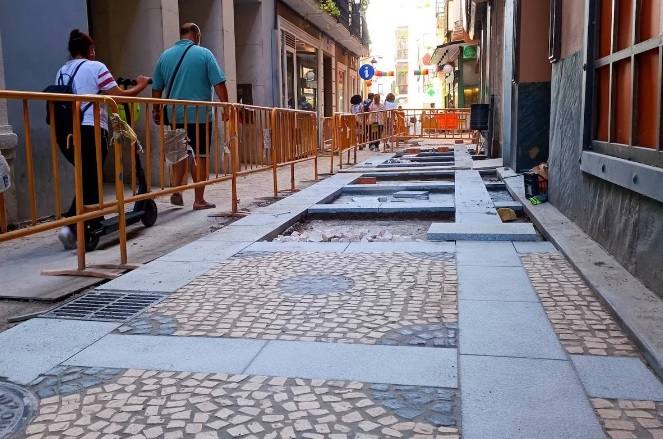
(343,235)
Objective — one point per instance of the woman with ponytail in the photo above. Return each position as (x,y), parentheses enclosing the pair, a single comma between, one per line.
(86,75)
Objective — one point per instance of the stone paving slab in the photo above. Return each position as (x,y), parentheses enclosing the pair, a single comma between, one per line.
(481,232)
(534,247)
(524,398)
(487,254)
(35,346)
(165,276)
(267,246)
(205,251)
(495,283)
(402,246)
(617,377)
(375,364)
(152,403)
(233,233)
(510,329)
(192,354)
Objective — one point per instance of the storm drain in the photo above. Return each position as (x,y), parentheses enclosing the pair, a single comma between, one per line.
(112,306)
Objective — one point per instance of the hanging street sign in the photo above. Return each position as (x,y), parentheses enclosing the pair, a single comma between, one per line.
(366,72)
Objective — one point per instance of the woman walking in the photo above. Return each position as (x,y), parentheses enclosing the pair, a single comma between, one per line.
(377,122)
(87,76)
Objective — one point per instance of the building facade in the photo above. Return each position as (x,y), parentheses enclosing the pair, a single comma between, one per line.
(272,55)
(584,95)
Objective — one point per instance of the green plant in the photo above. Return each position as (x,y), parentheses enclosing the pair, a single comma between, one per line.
(330,7)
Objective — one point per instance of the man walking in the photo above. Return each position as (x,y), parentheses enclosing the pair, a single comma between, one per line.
(188,71)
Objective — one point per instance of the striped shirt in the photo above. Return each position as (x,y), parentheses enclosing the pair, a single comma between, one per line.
(92,78)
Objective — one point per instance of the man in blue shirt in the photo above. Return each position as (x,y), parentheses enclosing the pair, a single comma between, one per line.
(197,74)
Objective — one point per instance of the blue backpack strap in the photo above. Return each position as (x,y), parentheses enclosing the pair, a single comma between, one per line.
(71,79)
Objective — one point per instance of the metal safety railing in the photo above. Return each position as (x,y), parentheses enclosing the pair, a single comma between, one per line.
(356,131)
(228,141)
(443,123)
(241,140)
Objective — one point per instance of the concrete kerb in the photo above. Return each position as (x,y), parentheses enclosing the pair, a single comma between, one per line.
(638,310)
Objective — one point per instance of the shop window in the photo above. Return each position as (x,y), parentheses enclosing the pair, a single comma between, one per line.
(628,55)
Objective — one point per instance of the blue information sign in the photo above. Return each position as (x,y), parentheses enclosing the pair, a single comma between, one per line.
(366,72)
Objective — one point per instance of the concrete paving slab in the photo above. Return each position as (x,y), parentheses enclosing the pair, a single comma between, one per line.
(267,219)
(367,363)
(194,354)
(417,207)
(205,251)
(524,398)
(482,232)
(266,246)
(508,329)
(166,276)
(35,346)
(477,217)
(487,254)
(234,233)
(534,247)
(401,246)
(506,284)
(635,306)
(344,208)
(617,377)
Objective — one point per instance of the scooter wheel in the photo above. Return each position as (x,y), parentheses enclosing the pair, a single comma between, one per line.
(150,213)
(91,241)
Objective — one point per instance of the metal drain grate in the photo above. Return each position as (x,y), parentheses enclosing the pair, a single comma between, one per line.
(113,306)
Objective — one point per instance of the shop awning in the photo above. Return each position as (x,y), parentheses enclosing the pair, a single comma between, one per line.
(448,52)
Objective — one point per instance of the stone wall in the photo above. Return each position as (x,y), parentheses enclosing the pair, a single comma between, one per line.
(34,46)
(625,223)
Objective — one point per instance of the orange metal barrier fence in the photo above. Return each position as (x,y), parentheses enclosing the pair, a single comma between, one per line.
(241,140)
(228,140)
(432,123)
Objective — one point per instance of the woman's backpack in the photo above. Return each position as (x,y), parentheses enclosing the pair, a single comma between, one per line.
(63,113)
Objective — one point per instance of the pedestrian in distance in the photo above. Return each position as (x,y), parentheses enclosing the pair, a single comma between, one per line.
(87,76)
(357,107)
(389,104)
(377,122)
(189,71)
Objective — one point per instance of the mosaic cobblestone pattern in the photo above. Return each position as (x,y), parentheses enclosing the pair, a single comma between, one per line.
(71,379)
(155,404)
(17,406)
(151,324)
(367,296)
(627,419)
(581,322)
(439,336)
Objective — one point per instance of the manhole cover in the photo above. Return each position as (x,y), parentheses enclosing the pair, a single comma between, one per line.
(17,406)
(102,305)
(316,285)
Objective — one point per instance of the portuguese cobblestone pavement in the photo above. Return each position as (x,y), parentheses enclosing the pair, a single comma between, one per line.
(626,419)
(581,322)
(330,297)
(155,404)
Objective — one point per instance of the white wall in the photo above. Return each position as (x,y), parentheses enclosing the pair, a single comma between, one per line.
(254,35)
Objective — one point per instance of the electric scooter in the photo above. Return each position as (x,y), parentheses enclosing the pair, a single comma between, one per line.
(144,211)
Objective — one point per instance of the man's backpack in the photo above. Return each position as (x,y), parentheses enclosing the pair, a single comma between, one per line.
(63,113)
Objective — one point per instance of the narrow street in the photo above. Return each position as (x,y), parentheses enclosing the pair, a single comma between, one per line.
(331,219)
(250,336)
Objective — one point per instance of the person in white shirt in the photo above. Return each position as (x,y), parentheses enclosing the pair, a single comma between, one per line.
(89,76)
(377,121)
(390,104)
